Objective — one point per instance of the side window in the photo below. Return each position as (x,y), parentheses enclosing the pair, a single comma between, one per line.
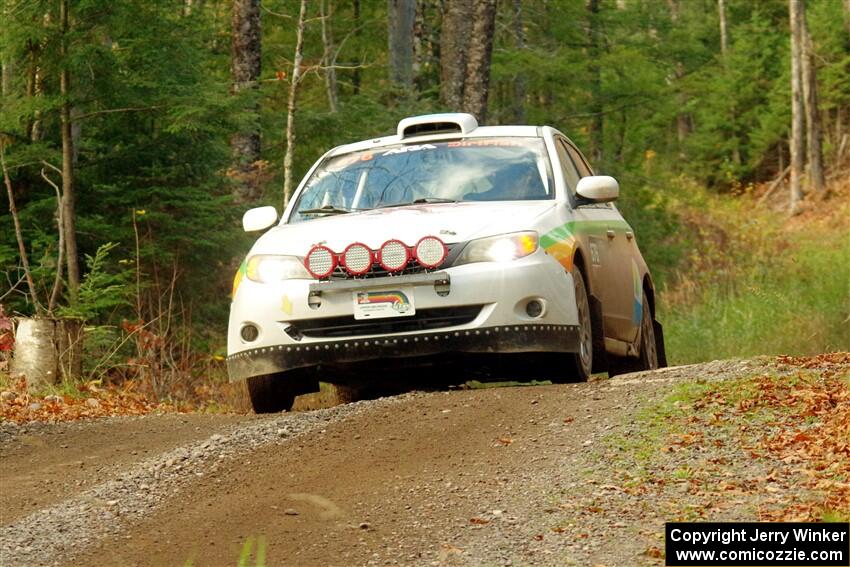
(571,175)
(582,166)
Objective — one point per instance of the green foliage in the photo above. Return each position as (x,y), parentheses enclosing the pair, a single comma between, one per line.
(795,304)
(101,290)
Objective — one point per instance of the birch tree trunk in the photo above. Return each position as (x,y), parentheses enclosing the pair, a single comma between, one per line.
(290,107)
(453,43)
(6,78)
(476,88)
(245,61)
(796,143)
(68,195)
(401,16)
(47,350)
(814,150)
(724,37)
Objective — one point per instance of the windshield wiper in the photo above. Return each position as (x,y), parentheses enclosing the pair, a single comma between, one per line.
(419,201)
(327,210)
(433,200)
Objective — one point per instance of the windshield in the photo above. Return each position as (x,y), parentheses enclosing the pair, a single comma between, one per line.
(479,169)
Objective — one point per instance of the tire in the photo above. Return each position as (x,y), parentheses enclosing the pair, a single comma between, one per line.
(271,393)
(648,358)
(648,346)
(581,362)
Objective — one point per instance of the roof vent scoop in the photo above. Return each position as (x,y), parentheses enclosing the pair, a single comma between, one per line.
(449,123)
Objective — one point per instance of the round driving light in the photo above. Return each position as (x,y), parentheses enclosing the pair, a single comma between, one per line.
(357,259)
(249,333)
(393,255)
(320,262)
(534,308)
(430,251)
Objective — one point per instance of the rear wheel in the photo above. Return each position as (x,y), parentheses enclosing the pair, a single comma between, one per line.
(582,361)
(272,393)
(648,349)
(648,358)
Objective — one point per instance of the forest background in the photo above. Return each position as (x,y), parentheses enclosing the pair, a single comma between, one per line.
(134,135)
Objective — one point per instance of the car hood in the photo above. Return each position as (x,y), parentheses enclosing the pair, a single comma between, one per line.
(452,222)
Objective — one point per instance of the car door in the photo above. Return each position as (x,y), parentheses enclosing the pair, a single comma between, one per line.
(614,283)
(588,225)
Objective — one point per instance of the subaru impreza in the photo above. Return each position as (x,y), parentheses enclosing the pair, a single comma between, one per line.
(447,239)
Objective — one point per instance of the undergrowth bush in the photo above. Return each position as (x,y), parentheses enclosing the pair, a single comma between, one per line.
(756,283)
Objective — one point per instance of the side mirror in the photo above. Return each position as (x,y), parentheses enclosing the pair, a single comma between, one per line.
(598,188)
(259,219)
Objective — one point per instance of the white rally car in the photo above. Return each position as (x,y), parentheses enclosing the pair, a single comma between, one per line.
(446,239)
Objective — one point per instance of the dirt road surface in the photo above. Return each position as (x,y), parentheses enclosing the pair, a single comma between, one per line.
(501,476)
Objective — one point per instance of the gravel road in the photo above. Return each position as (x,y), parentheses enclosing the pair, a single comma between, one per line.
(499,476)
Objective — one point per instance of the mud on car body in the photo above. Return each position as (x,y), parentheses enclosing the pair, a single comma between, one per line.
(446,238)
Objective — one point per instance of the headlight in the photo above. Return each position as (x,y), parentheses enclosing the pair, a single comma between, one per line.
(266,268)
(502,248)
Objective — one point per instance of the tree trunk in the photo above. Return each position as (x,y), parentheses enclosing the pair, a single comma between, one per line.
(596,122)
(419,39)
(19,235)
(847,15)
(355,79)
(724,37)
(519,81)
(6,79)
(245,73)
(68,196)
(453,44)
(476,87)
(290,106)
(47,350)
(810,99)
(6,62)
(328,57)
(796,143)
(36,86)
(683,119)
(401,16)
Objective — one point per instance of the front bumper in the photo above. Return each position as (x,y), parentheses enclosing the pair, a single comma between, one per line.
(517,338)
(501,326)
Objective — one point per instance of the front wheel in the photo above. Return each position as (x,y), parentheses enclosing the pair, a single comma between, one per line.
(582,361)
(272,393)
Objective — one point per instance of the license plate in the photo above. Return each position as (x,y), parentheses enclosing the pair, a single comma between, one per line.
(383,304)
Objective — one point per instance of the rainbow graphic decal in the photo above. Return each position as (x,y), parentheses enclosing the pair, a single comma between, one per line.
(397,299)
(560,242)
(237,279)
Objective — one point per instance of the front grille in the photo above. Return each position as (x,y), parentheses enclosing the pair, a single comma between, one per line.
(423,320)
(413,267)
